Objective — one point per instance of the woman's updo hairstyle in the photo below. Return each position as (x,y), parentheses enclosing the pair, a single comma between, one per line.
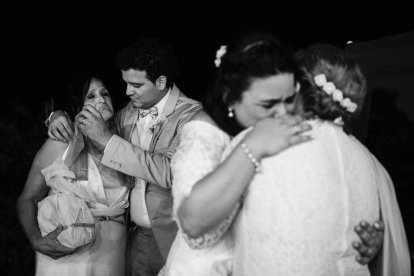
(332,84)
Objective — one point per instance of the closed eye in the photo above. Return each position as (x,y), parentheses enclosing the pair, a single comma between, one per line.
(104,93)
(290,99)
(268,106)
(135,85)
(270,103)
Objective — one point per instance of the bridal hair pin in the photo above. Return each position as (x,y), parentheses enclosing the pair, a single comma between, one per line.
(255,44)
(219,54)
(337,95)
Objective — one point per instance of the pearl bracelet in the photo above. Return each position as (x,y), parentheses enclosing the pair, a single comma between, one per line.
(257,167)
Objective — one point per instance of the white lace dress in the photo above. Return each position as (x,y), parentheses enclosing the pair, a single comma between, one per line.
(199,152)
(299,212)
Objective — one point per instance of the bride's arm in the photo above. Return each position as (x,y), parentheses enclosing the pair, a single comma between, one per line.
(215,196)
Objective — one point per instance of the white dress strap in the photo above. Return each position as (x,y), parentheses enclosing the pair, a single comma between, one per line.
(65,153)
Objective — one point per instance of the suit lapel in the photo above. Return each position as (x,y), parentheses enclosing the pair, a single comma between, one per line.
(166,112)
(130,121)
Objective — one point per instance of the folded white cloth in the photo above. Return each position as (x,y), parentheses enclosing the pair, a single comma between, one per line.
(66,205)
(72,213)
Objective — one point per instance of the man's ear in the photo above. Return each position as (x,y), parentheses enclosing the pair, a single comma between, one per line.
(297,87)
(161,82)
(225,96)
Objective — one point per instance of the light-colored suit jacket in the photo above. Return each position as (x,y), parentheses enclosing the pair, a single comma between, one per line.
(153,165)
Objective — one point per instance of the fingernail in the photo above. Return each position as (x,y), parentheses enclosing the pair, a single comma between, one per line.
(364,223)
(376,224)
(358,228)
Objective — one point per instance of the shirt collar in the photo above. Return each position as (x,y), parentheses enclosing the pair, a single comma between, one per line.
(160,105)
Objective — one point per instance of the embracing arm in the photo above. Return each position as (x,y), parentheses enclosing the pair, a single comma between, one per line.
(153,167)
(34,191)
(371,239)
(225,185)
(134,161)
(60,126)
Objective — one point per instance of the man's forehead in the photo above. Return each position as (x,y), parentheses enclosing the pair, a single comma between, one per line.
(134,75)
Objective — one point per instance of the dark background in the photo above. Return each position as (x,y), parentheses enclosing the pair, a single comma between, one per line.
(44,47)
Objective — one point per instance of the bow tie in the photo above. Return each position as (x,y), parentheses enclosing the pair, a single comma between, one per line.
(153,111)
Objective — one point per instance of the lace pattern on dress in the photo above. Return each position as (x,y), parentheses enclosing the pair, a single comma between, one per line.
(213,236)
(200,149)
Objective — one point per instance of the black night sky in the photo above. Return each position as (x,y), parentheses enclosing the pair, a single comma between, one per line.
(46,46)
(49,47)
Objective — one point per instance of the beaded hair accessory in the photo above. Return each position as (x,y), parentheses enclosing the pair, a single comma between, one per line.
(223,49)
(219,54)
(337,95)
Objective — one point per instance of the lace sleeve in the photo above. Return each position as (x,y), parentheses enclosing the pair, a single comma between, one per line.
(199,152)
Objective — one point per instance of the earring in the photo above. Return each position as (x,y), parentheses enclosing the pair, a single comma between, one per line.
(230,112)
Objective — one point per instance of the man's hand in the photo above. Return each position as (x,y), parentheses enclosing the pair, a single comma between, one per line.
(50,246)
(92,125)
(60,127)
(372,237)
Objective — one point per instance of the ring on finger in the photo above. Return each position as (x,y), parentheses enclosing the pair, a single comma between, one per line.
(296,129)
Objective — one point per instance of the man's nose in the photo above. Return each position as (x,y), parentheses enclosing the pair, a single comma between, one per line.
(129,90)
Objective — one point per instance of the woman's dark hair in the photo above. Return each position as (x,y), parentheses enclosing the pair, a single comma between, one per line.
(152,56)
(342,70)
(257,55)
(76,90)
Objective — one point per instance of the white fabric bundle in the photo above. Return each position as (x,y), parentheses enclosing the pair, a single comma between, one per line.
(65,206)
